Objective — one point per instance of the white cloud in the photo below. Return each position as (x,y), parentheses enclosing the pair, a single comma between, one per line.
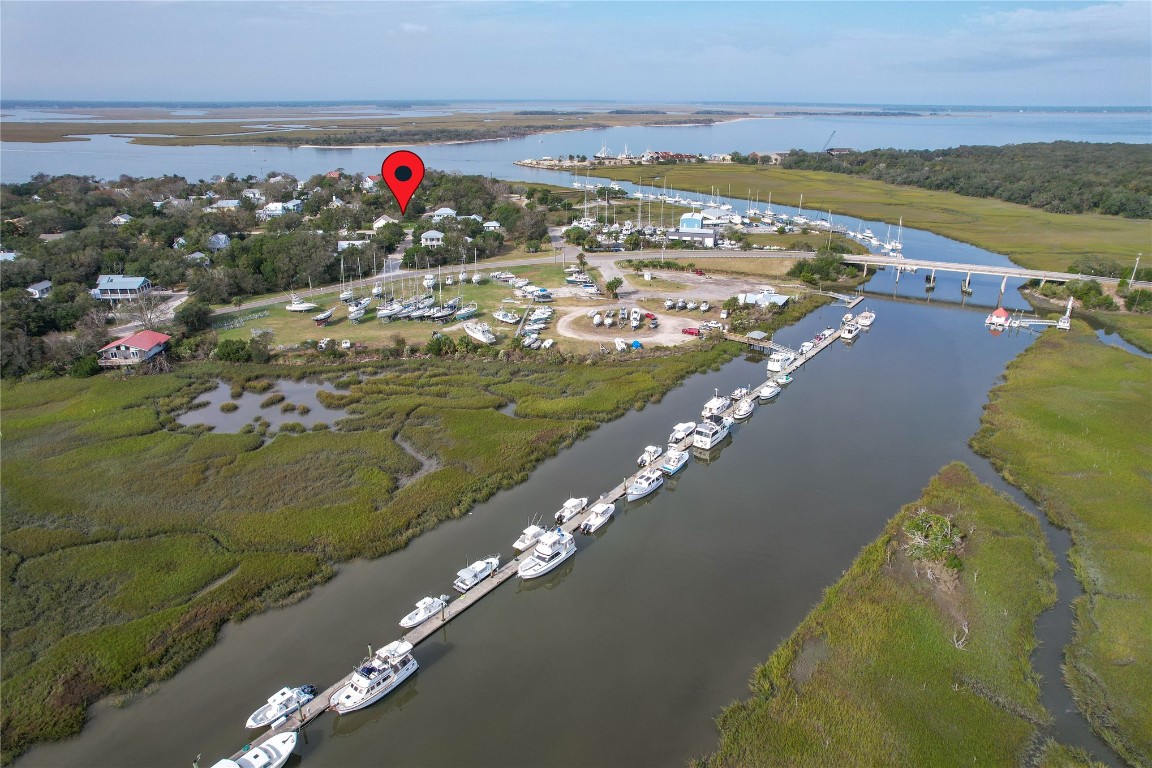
(409,28)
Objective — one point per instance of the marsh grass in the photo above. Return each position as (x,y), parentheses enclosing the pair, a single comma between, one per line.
(124,566)
(1070,426)
(873,676)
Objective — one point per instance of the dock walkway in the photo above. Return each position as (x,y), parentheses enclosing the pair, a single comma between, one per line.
(319,705)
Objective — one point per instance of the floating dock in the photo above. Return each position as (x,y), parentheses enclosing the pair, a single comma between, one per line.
(319,705)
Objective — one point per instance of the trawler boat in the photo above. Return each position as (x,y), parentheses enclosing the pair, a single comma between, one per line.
(709,433)
(469,577)
(480,332)
(426,608)
(865,318)
(681,431)
(778,361)
(651,453)
(571,508)
(768,391)
(376,677)
(280,704)
(553,548)
(674,461)
(272,753)
(744,409)
(715,406)
(600,514)
(850,332)
(645,482)
(299,305)
(529,538)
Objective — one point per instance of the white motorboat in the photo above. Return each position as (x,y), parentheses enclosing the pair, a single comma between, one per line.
(469,577)
(547,344)
(850,332)
(480,332)
(738,394)
(715,406)
(284,702)
(807,347)
(866,318)
(744,408)
(621,345)
(505,316)
(681,431)
(426,608)
(827,332)
(849,317)
(571,508)
(376,677)
(690,306)
(681,304)
(553,548)
(324,316)
(609,322)
(429,281)
(709,433)
(645,482)
(674,461)
(299,305)
(529,538)
(783,380)
(597,319)
(705,306)
(768,391)
(651,453)
(778,361)
(669,304)
(600,514)
(272,753)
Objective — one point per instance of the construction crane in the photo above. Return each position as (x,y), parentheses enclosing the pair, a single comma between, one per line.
(827,142)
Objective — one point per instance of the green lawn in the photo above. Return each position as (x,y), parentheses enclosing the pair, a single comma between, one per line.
(874,677)
(1030,237)
(1071,426)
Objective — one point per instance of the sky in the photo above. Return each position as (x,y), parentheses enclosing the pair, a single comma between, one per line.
(956,53)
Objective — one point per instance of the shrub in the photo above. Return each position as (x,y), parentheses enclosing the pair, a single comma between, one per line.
(303,410)
(294,427)
(229,407)
(271,400)
(1139,300)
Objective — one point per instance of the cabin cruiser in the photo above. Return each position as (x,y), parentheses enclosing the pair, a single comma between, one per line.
(529,538)
(571,508)
(705,306)
(600,514)
(849,317)
(299,305)
(807,347)
(865,318)
(744,409)
(690,306)
(768,391)
(669,304)
(850,332)
(738,394)
(426,608)
(645,482)
(778,361)
(715,406)
(783,380)
(505,316)
(621,345)
(651,453)
(272,753)
(597,319)
(473,574)
(280,704)
(376,677)
(674,461)
(709,433)
(553,548)
(480,332)
(681,431)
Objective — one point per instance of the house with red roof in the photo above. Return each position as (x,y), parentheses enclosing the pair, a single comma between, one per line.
(133,349)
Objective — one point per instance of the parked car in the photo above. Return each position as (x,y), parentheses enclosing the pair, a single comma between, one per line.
(699,272)
(690,331)
(649,316)
(346,344)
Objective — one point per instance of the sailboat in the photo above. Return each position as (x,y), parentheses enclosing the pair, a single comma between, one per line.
(346,293)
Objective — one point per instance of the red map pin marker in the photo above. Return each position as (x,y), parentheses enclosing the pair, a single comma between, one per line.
(402,171)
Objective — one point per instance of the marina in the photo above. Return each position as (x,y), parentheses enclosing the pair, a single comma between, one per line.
(483,579)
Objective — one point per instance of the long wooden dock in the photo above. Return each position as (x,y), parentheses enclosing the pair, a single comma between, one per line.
(319,705)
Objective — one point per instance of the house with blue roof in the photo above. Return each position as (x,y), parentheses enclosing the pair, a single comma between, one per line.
(120,287)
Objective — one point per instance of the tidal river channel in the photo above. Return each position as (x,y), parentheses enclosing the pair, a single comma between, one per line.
(626,654)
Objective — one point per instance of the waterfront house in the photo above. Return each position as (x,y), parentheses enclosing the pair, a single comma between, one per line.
(255,195)
(218,242)
(120,287)
(133,349)
(432,239)
(381,220)
(40,290)
(370,182)
(120,219)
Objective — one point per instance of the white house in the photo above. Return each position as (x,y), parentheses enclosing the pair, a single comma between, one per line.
(120,219)
(700,236)
(381,220)
(443,213)
(41,289)
(224,205)
(120,287)
(342,244)
(370,182)
(336,202)
(254,195)
(432,238)
(475,217)
(198,257)
(133,349)
(491,226)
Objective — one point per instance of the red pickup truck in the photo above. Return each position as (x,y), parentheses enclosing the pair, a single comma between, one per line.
(690,331)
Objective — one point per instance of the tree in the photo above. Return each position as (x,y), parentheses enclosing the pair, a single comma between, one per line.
(195,315)
(233,351)
(145,310)
(582,260)
(633,242)
(613,285)
(575,235)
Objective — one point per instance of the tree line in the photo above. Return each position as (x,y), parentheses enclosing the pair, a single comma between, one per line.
(1058,177)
